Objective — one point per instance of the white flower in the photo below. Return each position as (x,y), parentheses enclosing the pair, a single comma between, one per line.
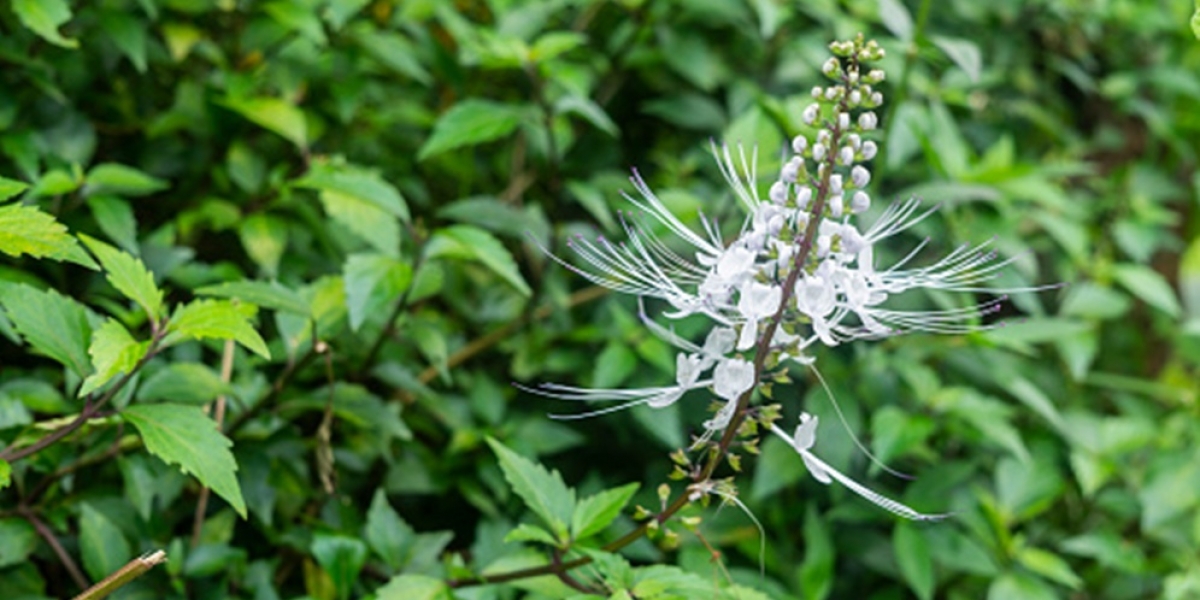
(802,441)
(733,377)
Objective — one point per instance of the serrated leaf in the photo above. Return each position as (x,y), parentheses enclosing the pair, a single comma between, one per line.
(129,275)
(372,224)
(123,180)
(185,436)
(113,351)
(1049,565)
(472,243)
(103,546)
(216,319)
(189,383)
(11,187)
(531,533)
(27,230)
(264,238)
(53,324)
(272,295)
(414,587)
(44,17)
(1149,286)
(597,511)
(116,220)
(373,281)
(342,557)
(912,555)
(469,123)
(964,53)
(273,114)
(359,183)
(544,492)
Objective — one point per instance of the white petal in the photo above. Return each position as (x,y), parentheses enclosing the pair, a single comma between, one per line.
(732,377)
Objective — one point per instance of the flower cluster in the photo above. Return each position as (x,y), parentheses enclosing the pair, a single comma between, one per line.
(800,273)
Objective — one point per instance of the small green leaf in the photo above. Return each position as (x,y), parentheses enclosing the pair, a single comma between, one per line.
(11,187)
(183,383)
(5,480)
(342,557)
(128,34)
(275,115)
(393,50)
(18,539)
(359,183)
(1016,584)
(55,182)
(964,53)
(298,17)
(389,536)
(470,123)
(912,555)
(369,222)
(597,511)
(129,275)
(1148,285)
(895,16)
(44,17)
(472,243)
(123,180)
(27,230)
(414,587)
(113,352)
(589,111)
(264,237)
(185,436)
(53,324)
(116,220)
(271,295)
(1196,21)
(1049,565)
(103,546)
(544,492)
(373,282)
(531,533)
(216,319)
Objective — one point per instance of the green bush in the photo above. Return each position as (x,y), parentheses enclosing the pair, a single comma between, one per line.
(288,251)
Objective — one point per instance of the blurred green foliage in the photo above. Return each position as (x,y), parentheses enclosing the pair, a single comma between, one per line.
(351,189)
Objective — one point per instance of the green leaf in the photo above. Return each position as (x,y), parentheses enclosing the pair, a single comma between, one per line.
(1196,21)
(128,34)
(589,111)
(1149,286)
(264,237)
(5,480)
(342,557)
(393,51)
(369,222)
(414,587)
(470,123)
(816,572)
(531,533)
(27,230)
(544,492)
(298,17)
(373,282)
(1020,585)
(913,557)
(113,352)
(11,187)
(53,324)
(186,383)
(272,295)
(185,436)
(359,183)
(1050,566)
(44,17)
(472,243)
(103,546)
(123,180)
(216,319)
(895,16)
(494,215)
(275,115)
(597,511)
(18,538)
(389,536)
(129,275)
(964,53)
(116,220)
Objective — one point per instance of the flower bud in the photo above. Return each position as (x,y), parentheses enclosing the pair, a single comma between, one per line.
(779,192)
(854,140)
(831,92)
(831,67)
(867,121)
(837,206)
(817,92)
(876,98)
(823,136)
(869,149)
(860,202)
(835,183)
(843,121)
(810,114)
(876,75)
(803,196)
(860,176)
(846,155)
(791,170)
(855,98)
(799,143)
(818,152)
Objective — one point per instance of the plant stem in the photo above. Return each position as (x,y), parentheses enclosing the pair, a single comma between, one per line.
(219,417)
(132,570)
(43,530)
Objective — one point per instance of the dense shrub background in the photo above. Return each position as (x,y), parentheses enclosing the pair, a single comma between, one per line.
(388,163)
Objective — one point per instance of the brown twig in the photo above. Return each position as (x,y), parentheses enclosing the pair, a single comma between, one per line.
(68,563)
(218,409)
(132,570)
